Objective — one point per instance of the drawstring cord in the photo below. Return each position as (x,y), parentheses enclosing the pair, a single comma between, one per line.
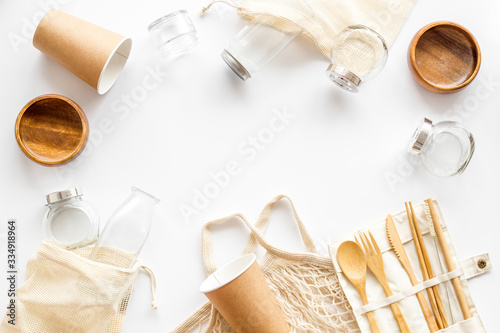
(229,3)
(154,285)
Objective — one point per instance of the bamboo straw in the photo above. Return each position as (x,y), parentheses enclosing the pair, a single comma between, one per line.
(459,292)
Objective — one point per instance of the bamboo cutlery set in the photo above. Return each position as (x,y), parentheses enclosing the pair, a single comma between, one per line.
(394,286)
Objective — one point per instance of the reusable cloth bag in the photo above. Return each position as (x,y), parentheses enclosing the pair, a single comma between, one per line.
(65,292)
(304,283)
(322,20)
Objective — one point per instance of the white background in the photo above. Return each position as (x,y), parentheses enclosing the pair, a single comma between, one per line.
(333,158)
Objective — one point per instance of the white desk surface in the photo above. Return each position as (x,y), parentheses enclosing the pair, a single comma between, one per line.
(332,158)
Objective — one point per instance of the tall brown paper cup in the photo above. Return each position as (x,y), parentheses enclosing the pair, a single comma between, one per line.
(94,54)
(239,291)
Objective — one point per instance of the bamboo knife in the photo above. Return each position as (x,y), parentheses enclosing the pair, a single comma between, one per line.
(398,248)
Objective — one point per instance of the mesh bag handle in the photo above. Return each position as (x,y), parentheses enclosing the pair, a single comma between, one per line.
(311,272)
(257,237)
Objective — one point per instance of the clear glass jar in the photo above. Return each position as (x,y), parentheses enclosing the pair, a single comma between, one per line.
(126,231)
(358,54)
(255,46)
(70,221)
(174,33)
(445,148)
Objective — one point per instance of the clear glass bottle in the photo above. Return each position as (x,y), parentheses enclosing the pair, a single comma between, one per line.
(445,148)
(126,231)
(255,46)
(174,33)
(70,221)
(358,54)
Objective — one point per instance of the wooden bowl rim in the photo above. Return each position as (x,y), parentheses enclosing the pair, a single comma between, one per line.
(422,31)
(84,135)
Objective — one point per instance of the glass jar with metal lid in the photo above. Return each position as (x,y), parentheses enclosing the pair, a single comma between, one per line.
(257,45)
(445,148)
(69,220)
(358,54)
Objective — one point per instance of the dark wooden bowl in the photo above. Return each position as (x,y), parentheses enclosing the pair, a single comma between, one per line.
(444,57)
(52,130)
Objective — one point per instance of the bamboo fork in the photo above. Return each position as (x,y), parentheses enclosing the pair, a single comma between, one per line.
(425,265)
(376,264)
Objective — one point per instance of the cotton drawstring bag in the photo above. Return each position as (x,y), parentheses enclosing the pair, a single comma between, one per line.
(65,292)
(304,283)
(322,20)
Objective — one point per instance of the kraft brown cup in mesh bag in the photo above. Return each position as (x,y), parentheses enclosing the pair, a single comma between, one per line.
(305,284)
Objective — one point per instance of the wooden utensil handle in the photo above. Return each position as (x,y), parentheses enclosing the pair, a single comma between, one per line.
(396,310)
(440,307)
(432,298)
(429,317)
(459,292)
(373,322)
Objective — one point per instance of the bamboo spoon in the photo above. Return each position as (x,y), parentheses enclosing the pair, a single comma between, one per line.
(352,261)
(427,271)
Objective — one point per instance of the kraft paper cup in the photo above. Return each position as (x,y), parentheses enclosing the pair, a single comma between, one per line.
(239,291)
(94,54)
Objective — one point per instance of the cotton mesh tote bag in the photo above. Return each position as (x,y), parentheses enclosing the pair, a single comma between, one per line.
(304,283)
(65,292)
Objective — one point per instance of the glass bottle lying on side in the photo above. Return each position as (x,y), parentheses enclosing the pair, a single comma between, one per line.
(126,231)
(358,55)
(445,148)
(256,45)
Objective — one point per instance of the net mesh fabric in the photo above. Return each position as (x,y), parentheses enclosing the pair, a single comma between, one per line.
(65,292)
(309,295)
(322,20)
(305,284)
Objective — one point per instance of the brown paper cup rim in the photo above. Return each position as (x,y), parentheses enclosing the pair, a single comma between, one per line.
(114,66)
(227,273)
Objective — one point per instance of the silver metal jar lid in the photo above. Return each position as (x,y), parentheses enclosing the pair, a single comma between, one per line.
(235,65)
(344,78)
(421,134)
(64,195)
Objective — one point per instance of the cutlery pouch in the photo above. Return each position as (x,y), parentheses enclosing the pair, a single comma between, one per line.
(400,284)
(65,292)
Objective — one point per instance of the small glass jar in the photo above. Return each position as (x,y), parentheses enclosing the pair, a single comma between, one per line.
(69,220)
(445,148)
(358,54)
(174,33)
(255,46)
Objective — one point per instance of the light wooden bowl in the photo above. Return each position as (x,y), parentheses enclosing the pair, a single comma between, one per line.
(444,57)
(52,130)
